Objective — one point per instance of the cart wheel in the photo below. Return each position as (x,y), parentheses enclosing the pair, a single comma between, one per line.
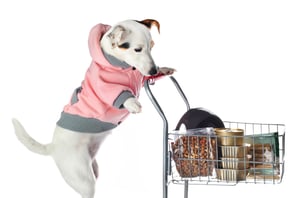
(199,118)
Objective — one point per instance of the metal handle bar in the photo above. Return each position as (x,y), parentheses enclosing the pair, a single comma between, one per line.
(156,104)
(166,155)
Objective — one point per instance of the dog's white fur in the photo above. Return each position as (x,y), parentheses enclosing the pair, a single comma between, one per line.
(73,152)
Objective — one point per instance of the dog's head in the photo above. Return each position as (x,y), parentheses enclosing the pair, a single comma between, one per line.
(130,41)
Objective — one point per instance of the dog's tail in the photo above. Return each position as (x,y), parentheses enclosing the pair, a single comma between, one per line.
(29,142)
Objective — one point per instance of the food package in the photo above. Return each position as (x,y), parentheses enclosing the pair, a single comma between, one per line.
(232,174)
(230,136)
(234,151)
(264,149)
(194,152)
(235,163)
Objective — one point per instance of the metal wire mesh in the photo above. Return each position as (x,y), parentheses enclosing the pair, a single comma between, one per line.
(204,159)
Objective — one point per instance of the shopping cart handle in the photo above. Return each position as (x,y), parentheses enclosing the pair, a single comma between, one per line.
(153,99)
(166,154)
(155,103)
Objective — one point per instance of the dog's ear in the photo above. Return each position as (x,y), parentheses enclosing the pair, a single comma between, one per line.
(118,34)
(150,22)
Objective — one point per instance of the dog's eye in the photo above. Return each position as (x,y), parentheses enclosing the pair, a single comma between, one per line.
(138,49)
(124,45)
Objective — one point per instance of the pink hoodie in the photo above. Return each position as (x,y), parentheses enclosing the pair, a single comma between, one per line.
(97,105)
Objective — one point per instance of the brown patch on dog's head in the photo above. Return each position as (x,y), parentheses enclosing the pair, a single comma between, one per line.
(149,23)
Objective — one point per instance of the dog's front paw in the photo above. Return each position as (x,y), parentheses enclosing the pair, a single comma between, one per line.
(133,105)
(166,70)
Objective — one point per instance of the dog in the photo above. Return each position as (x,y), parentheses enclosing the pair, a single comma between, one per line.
(121,63)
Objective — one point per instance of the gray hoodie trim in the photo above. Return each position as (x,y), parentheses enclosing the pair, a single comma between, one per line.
(124,95)
(114,61)
(82,124)
(74,97)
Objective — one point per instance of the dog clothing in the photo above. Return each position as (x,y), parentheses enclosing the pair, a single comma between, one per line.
(97,105)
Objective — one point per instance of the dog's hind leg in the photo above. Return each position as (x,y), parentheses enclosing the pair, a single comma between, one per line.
(74,154)
(94,145)
(77,170)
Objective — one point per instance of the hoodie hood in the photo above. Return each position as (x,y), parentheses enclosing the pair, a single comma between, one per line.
(98,55)
(95,36)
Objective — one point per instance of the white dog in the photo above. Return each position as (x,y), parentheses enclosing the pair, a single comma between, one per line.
(121,62)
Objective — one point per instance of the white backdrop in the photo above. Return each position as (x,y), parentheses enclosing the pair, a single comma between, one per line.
(236,58)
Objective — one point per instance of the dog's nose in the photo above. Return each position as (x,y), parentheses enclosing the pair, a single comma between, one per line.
(153,71)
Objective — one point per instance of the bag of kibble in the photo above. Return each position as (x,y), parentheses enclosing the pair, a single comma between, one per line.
(194,152)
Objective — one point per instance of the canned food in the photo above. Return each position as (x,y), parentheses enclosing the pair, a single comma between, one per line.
(230,137)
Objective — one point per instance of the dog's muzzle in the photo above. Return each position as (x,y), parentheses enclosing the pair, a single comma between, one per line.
(153,71)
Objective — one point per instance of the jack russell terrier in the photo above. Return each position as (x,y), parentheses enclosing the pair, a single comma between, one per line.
(121,63)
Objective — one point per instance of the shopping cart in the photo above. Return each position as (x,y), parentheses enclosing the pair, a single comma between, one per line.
(205,151)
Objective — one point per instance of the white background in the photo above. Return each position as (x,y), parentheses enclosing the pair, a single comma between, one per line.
(238,59)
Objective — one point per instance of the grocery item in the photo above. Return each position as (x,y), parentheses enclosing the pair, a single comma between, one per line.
(194,152)
(233,157)
(235,163)
(264,149)
(230,175)
(234,151)
(230,137)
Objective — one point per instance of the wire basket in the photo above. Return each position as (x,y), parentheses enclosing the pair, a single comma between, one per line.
(203,156)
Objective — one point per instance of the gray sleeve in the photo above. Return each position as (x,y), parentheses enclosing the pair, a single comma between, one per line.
(124,95)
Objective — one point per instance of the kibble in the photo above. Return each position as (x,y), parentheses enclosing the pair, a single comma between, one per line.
(194,155)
